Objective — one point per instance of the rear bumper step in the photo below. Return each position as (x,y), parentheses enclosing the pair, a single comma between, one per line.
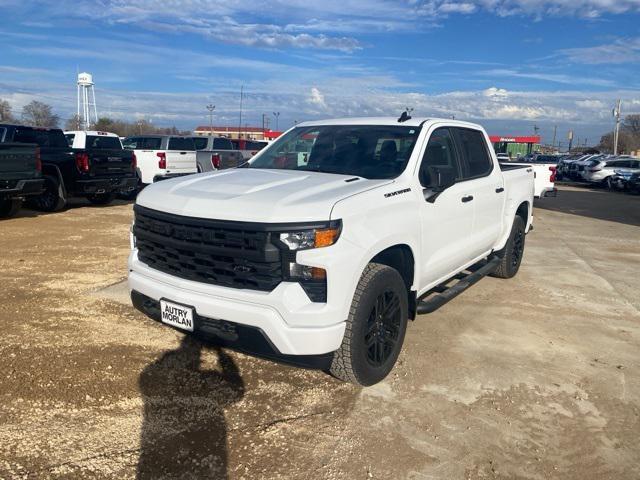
(439,296)
(23,188)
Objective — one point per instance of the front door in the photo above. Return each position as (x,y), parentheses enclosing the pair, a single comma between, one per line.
(447,222)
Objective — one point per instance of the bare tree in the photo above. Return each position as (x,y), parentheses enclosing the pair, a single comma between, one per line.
(631,124)
(73,123)
(6,115)
(39,114)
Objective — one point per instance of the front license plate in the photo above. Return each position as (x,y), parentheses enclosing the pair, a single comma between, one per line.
(177,315)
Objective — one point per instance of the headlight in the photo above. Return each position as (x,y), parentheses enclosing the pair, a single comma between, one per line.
(312,238)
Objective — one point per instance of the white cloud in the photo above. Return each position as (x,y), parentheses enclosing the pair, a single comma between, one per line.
(620,51)
(317,98)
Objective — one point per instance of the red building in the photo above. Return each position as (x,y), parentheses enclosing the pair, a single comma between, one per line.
(515,146)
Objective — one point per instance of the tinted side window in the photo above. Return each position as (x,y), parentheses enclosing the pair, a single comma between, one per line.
(474,153)
(440,153)
(179,143)
(200,142)
(149,143)
(70,137)
(130,142)
(222,144)
(3,131)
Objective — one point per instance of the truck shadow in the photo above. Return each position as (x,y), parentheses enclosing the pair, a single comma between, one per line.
(595,203)
(184,427)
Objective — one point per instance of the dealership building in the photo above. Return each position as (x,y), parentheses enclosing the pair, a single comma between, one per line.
(248,133)
(515,146)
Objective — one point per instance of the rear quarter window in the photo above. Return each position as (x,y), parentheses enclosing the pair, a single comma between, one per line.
(180,143)
(222,144)
(475,154)
(200,143)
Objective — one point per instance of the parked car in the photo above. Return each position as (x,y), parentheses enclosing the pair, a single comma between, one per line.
(216,153)
(321,263)
(20,175)
(632,182)
(72,172)
(564,164)
(162,156)
(106,149)
(248,148)
(603,170)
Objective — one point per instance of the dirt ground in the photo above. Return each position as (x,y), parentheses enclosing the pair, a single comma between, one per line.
(535,377)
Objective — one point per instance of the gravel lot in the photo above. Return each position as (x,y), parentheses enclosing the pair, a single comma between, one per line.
(535,377)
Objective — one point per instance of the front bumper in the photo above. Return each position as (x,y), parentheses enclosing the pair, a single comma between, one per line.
(106,185)
(248,339)
(289,321)
(22,188)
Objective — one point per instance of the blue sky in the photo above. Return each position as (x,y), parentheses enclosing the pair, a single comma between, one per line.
(508,64)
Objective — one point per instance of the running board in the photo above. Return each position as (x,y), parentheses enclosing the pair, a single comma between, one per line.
(439,296)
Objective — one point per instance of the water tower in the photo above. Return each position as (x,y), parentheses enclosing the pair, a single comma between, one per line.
(87,112)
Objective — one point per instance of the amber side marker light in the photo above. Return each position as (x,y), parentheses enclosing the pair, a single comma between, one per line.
(327,237)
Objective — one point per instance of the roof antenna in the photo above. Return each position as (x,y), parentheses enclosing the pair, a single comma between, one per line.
(406,115)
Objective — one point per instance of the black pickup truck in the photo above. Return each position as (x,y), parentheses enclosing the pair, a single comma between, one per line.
(20,175)
(96,174)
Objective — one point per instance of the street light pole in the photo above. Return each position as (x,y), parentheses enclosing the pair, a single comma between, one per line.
(616,132)
(240,121)
(277,115)
(211,108)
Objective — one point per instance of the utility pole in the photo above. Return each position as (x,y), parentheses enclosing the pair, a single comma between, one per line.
(616,132)
(536,129)
(240,121)
(277,115)
(570,138)
(555,131)
(211,108)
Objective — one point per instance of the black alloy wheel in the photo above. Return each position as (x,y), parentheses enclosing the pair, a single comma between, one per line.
(383,328)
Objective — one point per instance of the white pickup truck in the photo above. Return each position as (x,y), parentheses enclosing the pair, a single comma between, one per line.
(161,157)
(321,262)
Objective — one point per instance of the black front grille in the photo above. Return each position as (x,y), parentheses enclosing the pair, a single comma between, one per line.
(229,254)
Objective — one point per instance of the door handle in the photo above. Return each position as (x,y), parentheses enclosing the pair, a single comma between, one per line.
(499,190)
(466,199)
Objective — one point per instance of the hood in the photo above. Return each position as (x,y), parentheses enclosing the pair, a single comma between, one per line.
(255,195)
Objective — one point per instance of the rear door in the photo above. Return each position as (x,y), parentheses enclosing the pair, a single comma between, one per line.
(446,223)
(181,155)
(485,185)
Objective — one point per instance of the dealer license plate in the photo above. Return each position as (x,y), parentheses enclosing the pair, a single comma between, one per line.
(176,315)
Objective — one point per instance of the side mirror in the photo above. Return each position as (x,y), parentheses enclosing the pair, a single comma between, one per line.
(440,178)
(436,180)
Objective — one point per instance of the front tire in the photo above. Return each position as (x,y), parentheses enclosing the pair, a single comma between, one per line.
(512,252)
(50,200)
(375,328)
(9,207)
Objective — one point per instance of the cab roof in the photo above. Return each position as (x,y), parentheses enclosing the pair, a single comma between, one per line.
(388,121)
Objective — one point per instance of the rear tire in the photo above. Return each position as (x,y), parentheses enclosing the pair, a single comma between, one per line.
(375,328)
(9,207)
(609,184)
(512,252)
(50,200)
(101,198)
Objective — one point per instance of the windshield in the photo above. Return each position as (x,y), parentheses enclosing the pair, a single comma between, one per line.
(368,151)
